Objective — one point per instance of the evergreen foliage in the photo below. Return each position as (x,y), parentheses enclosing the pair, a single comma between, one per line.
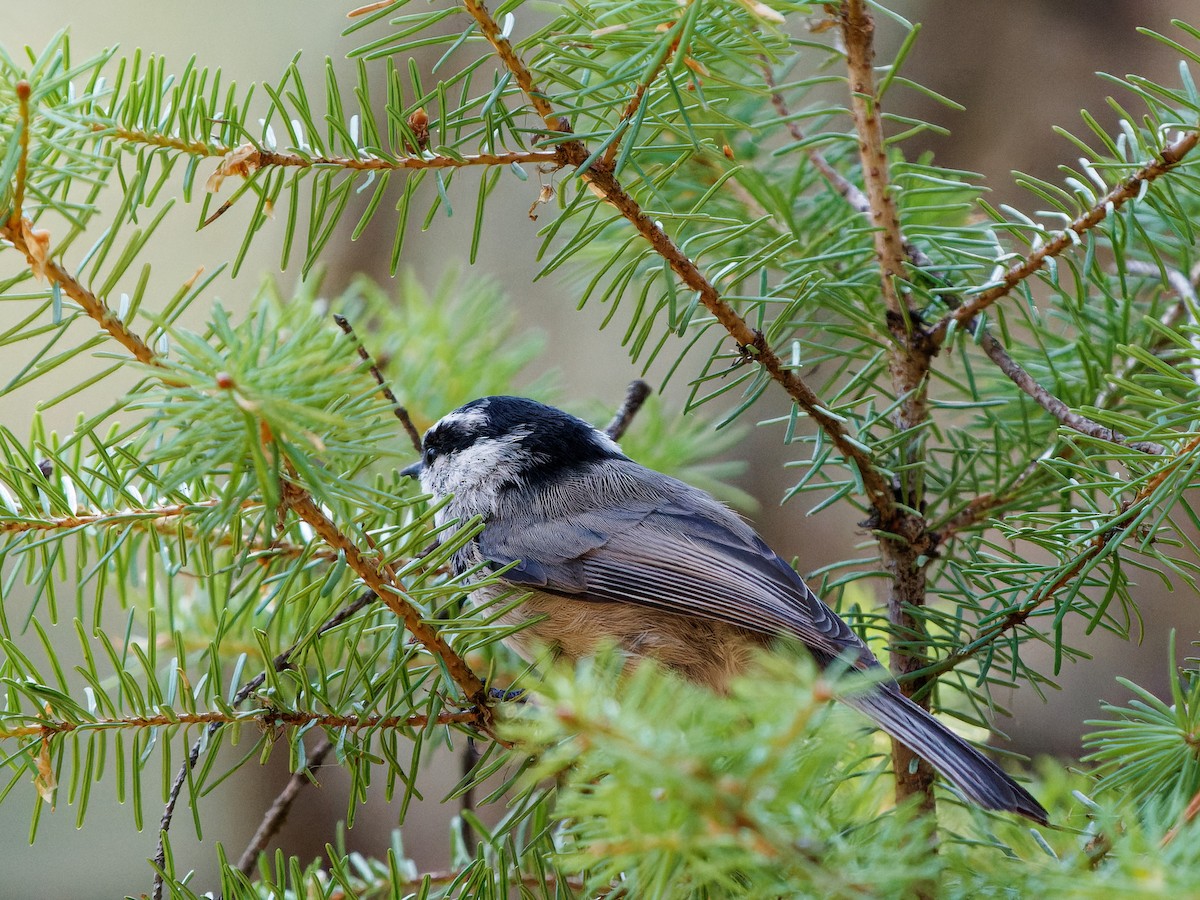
(1008,399)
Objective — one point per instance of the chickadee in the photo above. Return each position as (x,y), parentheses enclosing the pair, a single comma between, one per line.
(612,551)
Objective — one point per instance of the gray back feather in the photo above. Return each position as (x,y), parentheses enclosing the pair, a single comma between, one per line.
(621,532)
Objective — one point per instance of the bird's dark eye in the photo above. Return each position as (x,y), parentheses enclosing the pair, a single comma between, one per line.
(431,453)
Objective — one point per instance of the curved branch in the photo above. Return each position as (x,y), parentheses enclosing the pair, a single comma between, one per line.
(273,820)
(1131,187)
(34,244)
(382,580)
(992,633)
(278,664)
(1053,405)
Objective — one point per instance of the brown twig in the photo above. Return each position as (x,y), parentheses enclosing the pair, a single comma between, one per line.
(504,49)
(110,519)
(265,158)
(35,245)
(639,94)
(1190,813)
(19,236)
(381,578)
(253,157)
(843,185)
(278,664)
(979,508)
(273,820)
(635,395)
(398,409)
(1056,407)
(23,91)
(1019,616)
(858,33)
(266,717)
(903,536)
(1126,190)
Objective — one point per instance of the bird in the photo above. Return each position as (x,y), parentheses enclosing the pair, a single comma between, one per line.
(608,550)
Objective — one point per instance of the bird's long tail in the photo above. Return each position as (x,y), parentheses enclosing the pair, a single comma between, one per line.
(980,779)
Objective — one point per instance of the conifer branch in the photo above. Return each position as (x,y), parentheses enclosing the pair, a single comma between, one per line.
(278,664)
(902,531)
(1053,405)
(398,408)
(994,350)
(635,102)
(988,636)
(265,717)
(1126,190)
(985,505)
(751,343)
(250,157)
(381,578)
(1190,812)
(34,243)
(513,62)
(858,33)
(981,507)
(23,90)
(160,517)
(165,521)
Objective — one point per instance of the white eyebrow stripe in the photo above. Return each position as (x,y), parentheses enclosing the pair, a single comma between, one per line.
(468,418)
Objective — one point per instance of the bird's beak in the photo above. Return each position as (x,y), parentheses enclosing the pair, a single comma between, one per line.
(413,471)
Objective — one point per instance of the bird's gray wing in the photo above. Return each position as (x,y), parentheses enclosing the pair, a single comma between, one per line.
(674,558)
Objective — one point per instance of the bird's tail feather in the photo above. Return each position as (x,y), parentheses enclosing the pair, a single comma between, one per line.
(980,779)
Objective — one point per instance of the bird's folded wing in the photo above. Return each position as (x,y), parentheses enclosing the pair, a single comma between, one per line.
(674,560)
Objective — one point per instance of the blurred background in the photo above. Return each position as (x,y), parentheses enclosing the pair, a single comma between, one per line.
(1018,68)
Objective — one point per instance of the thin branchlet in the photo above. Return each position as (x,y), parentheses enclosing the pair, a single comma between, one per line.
(281,662)
(267,717)
(1129,188)
(635,395)
(398,408)
(989,635)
